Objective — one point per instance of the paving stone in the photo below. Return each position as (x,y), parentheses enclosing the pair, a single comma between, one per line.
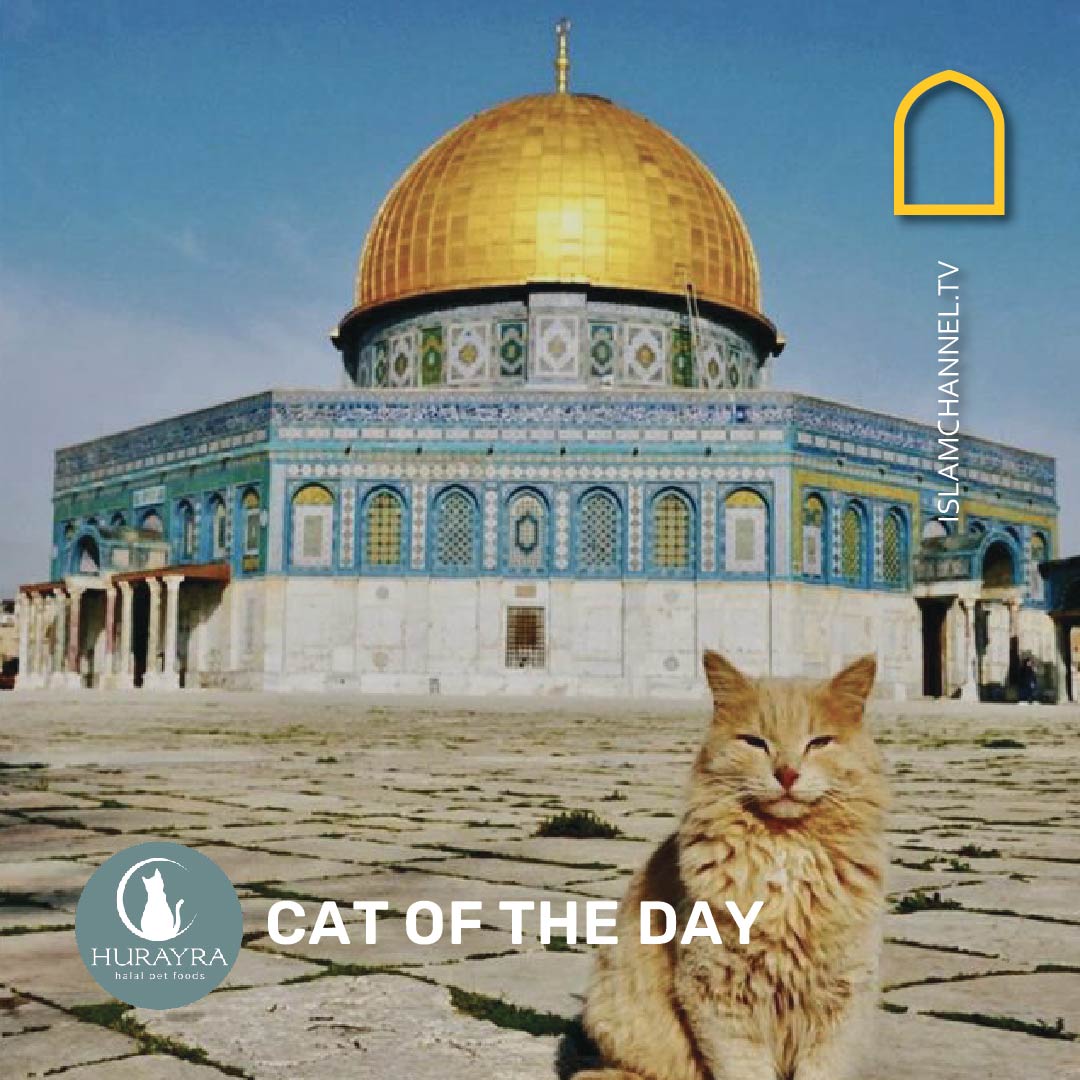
(1020,942)
(901,964)
(1034,998)
(550,982)
(913,1047)
(60,1046)
(375,1027)
(48,965)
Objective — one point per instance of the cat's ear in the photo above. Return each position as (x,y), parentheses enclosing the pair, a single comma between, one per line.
(725,680)
(849,690)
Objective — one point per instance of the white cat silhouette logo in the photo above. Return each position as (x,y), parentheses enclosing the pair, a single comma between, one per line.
(159,922)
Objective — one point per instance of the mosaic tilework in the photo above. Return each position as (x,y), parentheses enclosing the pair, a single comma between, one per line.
(601,350)
(419,524)
(512,349)
(556,353)
(878,517)
(527,533)
(348,526)
(491,528)
(643,356)
(469,358)
(708,528)
(431,355)
(745,521)
(562,530)
(682,358)
(635,527)
(403,353)
(713,367)
(381,364)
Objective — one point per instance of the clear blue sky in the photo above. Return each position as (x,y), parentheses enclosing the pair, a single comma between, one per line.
(184,189)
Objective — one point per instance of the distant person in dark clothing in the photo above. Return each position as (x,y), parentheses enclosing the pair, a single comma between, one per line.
(1029,681)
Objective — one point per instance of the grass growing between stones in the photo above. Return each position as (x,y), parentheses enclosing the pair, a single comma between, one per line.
(1039,1028)
(578,825)
(503,1014)
(115,1015)
(921,901)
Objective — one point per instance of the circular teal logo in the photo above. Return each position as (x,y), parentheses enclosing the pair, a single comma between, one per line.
(159,925)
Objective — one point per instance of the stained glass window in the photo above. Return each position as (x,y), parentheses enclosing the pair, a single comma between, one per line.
(852,542)
(455,531)
(312,531)
(893,548)
(671,532)
(813,535)
(383,529)
(745,516)
(599,533)
(528,533)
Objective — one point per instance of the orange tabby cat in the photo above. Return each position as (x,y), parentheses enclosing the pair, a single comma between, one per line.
(786,805)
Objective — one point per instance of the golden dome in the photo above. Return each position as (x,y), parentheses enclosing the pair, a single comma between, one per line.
(559,188)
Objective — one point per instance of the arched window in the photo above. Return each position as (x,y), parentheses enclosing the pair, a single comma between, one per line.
(672,532)
(813,536)
(455,531)
(934,530)
(186,528)
(745,516)
(894,548)
(384,530)
(599,534)
(998,569)
(151,522)
(528,535)
(252,512)
(853,544)
(219,528)
(1039,554)
(88,557)
(312,527)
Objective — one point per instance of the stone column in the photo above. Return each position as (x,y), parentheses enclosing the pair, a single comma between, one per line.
(127,618)
(24,681)
(969,691)
(60,618)
(110,631)
(153,633)
(71,665)
(1014,641)
(170,669)
(37,637)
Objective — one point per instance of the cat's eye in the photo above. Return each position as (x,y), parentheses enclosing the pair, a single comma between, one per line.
(755,741)
(819,742)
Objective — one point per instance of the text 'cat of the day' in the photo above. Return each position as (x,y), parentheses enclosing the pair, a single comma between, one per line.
(659,921)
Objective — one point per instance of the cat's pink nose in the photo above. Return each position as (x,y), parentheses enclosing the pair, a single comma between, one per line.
(787,776)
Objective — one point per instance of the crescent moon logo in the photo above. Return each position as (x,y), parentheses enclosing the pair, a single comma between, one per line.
(120,901)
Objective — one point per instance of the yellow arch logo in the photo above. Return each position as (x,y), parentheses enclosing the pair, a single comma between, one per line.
(900,203)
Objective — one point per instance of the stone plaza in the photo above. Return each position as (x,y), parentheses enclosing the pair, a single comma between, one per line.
(335,796)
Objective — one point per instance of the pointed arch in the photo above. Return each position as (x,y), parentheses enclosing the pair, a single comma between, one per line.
(901,206)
